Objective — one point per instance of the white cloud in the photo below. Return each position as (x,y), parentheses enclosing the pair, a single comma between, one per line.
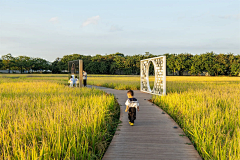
(54,20)
(92,20)
(115,28)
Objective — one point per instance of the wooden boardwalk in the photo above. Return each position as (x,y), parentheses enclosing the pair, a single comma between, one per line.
(154,135)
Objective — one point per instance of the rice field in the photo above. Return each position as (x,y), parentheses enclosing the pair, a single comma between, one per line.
(120,82)
(43,119)
(206,108)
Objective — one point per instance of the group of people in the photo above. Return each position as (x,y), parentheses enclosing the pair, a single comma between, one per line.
(74,80)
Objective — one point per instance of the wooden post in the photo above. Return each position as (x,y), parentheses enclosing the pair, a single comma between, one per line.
(80,73)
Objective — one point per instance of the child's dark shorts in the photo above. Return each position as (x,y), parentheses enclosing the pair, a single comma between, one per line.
(132,114)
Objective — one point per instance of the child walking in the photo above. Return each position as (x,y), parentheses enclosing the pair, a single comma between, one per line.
(76,81)
(131,106)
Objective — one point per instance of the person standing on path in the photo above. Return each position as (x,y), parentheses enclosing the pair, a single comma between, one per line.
(131,106)
(84,78)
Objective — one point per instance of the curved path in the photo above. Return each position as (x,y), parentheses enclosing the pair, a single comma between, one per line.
(154,135)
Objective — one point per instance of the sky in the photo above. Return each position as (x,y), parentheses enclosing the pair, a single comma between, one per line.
(51,28)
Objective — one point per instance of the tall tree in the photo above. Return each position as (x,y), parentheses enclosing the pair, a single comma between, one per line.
(235,67)
(40,64)
(21,62)
(171,62)
(183,62)
(120,63)
(8,61)
(208,62)
(195,68)
(56,67)
(219,65)
(230,60)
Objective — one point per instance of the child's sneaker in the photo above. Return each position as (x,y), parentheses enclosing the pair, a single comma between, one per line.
(131,124)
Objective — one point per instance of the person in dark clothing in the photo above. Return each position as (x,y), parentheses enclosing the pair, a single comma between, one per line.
(84,78)
(131,106)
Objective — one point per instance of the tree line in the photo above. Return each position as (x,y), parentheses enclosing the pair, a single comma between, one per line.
(23,63)
(210,62)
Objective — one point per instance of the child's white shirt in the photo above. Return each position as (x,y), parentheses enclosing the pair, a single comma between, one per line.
(132,102)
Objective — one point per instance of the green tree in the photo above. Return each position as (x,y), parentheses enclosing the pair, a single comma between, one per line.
(230,59)
(40,64)
(8,61)
(208,62)
(171,62)
(129,65)
(93,68)
(28,63)
(182,62)
(56,66)
(103,69)
(195,68)
(219,65)
(21,62)
(113,68)
(235,67)
(120,60)
(119,54)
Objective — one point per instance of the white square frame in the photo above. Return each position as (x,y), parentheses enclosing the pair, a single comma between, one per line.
(159,64)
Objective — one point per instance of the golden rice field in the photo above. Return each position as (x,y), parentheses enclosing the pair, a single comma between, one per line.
(209,113)
(206,108)
(42,119)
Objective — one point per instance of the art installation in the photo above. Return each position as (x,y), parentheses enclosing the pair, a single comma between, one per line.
(75,68)
(159,64)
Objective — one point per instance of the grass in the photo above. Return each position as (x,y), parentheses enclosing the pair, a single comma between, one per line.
(42,119)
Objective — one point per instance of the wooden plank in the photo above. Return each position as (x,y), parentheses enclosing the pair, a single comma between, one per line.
(153,135)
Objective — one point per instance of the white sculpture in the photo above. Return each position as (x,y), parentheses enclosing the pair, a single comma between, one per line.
(159,64)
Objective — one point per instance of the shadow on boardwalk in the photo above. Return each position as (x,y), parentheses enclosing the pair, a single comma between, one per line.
(154,135)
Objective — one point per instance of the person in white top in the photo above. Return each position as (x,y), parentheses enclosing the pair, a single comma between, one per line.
(84,78)
(131,106)
(71,81)
(76,81)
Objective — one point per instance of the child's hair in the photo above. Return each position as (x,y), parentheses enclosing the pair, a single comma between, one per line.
(130,92)
(75,76)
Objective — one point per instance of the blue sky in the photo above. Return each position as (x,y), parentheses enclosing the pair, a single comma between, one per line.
(52,28)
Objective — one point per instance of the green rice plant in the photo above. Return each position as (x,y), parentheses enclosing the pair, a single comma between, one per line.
(46,120)
(209,113)
(115,82)
(206,108)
